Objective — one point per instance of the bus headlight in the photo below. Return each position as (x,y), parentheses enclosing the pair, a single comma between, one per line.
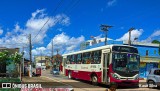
(115,76)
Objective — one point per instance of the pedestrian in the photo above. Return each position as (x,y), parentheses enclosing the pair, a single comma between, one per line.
(112,87)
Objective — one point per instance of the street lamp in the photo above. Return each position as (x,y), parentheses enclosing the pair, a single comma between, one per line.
(105,28)
(129,41)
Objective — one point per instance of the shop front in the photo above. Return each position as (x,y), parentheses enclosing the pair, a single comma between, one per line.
(148,63)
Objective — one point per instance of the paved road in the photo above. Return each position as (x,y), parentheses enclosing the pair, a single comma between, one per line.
(86,86)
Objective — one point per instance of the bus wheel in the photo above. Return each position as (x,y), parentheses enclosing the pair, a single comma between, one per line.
(94,80)
(69,75)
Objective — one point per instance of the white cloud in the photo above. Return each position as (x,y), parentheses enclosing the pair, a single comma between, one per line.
(65,43)
(61,42)
(32,26)
(60,29)
(134,34)
(39,51)
(17,28)
(111,3)
(153,36)
(1,31)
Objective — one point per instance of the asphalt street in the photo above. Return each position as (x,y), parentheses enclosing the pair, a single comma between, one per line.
(80,85)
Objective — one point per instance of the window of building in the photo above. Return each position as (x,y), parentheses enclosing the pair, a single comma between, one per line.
(154,51)
(147,52)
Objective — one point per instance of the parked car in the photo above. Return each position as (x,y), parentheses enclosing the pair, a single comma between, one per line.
(54,71)
(153,78)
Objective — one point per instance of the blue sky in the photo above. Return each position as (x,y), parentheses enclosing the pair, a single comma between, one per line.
(74,21)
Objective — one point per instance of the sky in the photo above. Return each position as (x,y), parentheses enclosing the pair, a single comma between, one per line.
(70,22)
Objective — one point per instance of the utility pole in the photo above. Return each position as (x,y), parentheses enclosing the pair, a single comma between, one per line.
(129,39)
(52,49)
(105,28)
(41,58)
(52,53)
(23,60)
(30,52)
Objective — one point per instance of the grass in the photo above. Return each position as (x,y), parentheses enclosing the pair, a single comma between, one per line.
(9,80)
(10,89)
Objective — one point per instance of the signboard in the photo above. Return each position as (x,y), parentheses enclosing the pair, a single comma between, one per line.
(125,49)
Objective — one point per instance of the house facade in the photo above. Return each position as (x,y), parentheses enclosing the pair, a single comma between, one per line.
(42,61)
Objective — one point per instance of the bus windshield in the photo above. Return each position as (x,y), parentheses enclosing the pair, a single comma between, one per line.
(125,62)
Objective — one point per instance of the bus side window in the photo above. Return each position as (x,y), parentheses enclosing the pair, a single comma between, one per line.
(96,57)
(68,59)
(72,59)
(99,57)
(79,58)
(83,58)
(86,58)
(92,58)
(75,59)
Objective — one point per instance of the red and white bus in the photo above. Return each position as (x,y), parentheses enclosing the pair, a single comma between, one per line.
(106,64)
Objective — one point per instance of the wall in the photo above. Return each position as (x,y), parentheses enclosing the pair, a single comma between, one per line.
(148,60)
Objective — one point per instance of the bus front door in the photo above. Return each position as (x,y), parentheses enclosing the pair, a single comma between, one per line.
(106,57)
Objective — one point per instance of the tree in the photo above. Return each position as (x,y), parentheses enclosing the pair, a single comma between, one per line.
(156,42)
(4,57)
(4,60)
(16,58)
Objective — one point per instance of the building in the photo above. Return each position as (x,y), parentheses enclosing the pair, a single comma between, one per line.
(149,52)
(42,61)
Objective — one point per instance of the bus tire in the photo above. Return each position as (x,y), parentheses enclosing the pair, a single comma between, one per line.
(94,80)
(69,75)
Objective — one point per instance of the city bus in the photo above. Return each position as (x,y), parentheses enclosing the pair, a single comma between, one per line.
(107,64)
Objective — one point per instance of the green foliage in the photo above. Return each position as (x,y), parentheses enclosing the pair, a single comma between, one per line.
(10,89)
(17,57)
(5,57)
(4,80)
(156,42)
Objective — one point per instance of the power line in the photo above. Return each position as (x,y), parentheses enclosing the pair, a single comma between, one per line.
(74,5)
(59,4)
(65,10)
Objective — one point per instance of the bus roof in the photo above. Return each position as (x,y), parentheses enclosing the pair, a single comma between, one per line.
(96,48)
